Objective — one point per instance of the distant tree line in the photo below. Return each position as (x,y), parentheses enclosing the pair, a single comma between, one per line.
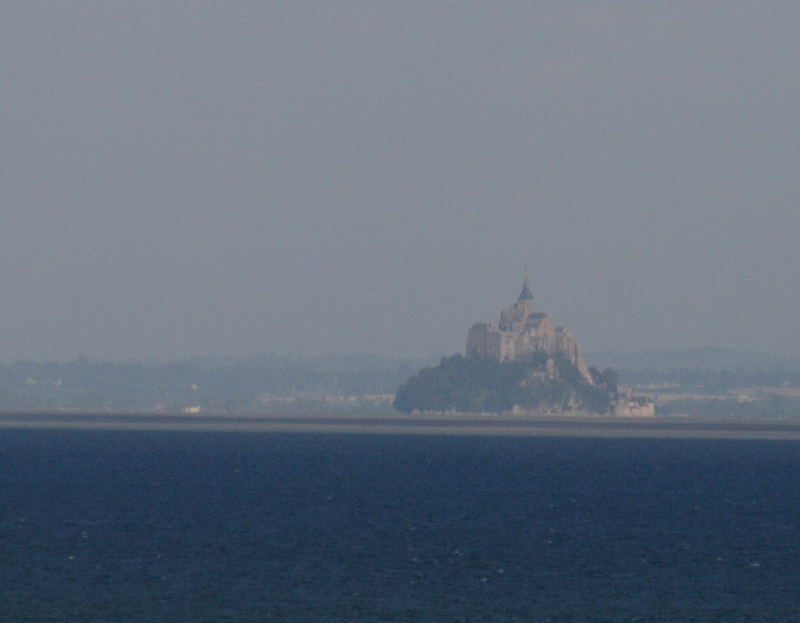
(233,386)
(281,384)
(712,379)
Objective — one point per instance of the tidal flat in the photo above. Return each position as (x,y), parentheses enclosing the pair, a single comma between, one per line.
(444,424)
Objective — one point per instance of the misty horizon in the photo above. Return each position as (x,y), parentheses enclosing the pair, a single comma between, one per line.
(700,357)
(188,180)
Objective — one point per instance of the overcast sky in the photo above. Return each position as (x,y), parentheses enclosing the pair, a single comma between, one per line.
(197,178)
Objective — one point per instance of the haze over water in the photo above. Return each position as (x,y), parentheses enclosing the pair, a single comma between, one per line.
(191,179)
(203,178)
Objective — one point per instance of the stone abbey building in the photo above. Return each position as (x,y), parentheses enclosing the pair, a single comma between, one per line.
(521,332)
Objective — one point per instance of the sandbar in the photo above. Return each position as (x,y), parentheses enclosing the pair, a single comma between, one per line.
(449,424)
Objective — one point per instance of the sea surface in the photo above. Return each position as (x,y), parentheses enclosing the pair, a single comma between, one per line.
(193,527)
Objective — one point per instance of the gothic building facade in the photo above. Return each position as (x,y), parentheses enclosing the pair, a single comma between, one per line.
(521,332)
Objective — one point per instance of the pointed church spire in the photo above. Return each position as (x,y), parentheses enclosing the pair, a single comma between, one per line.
(526,289)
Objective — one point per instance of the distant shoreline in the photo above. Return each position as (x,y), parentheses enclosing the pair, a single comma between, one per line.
(473,425)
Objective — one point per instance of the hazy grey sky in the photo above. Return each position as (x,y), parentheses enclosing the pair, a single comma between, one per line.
(190,178)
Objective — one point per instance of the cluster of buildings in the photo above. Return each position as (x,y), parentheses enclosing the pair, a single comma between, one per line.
(523,331)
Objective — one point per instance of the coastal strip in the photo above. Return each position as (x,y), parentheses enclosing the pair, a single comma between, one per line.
(544,426)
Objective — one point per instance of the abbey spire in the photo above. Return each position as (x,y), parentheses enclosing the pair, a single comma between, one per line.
(526,289)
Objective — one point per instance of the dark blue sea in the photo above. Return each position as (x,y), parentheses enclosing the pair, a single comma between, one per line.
(190,527)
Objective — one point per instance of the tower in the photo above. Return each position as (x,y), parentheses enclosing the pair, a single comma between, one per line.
(526,289)
(525,304)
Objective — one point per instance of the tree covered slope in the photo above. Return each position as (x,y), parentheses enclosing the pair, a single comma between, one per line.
(543,384)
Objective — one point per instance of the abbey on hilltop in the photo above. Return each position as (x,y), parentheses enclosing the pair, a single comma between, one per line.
(522,365)
(521,332)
